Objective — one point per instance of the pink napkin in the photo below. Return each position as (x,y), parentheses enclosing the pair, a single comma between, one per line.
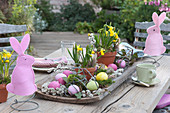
(165,101)
(48,62)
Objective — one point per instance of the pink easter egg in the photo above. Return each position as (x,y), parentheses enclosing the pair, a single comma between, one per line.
(121,63)
(73,89)
(67,72)
(114,66)
(54,84)
(59,75)
(61,81)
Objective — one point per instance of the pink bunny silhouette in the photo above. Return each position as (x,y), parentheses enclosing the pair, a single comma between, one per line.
(22,79)
(154,42)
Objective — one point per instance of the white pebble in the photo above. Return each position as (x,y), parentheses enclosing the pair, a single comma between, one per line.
(84,95)
(91,95)
(83,91)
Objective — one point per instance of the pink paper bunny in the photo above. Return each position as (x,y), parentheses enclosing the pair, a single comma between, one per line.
(154,42)
(22,79)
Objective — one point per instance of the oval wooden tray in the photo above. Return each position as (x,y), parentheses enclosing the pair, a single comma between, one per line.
(118,81)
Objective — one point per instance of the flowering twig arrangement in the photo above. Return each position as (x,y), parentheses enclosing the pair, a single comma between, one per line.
(107,41)
(86,59)
(162,4)
(5,63)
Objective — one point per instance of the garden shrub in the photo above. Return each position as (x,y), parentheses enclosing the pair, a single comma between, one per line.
(45,11)
(104,18)
(108,4)
(71,14)
(84,27)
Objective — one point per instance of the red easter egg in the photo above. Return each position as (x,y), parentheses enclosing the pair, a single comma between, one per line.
(61,81)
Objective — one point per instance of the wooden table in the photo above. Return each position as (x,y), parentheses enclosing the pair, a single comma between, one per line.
(127,98)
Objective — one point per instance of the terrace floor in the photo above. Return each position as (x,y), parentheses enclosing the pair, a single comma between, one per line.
(48,42)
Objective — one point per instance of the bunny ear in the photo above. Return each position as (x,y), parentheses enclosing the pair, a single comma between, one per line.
(155,18)
(16,45)
(25,42)
(162,18)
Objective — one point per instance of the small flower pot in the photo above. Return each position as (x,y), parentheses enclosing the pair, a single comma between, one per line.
(107,58)
(91,70)
(3,93)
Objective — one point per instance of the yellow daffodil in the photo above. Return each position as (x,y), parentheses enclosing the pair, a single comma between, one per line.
(106,33)
(116,37)
(4,55)
(114,40)
(5,51)
(79,48)
(102,51)
(112,33)
(110,28)
(92,52)
(6,61)
(89,34)
(90,55)
(8,55)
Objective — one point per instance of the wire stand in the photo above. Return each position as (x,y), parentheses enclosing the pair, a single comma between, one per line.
(26,101)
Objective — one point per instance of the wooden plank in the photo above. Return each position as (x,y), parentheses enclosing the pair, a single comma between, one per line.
(142,99)
(8,48)
(144,35)
(142,44)
(8,28)
(6,40)
(146,25)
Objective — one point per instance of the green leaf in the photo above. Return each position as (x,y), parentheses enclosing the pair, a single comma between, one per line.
(78,95)
(65,79)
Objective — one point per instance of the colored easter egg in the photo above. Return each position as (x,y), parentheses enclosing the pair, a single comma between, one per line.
(114,66)
(67,72)
(121,63)
(54,84)
(73,89)
(101,76)
(93,85)
(61,81)
(59,75)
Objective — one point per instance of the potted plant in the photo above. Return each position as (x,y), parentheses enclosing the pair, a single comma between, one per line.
(85,61)
(5,63)
(106,44)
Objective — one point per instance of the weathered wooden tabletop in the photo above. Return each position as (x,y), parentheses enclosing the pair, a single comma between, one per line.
(127,98)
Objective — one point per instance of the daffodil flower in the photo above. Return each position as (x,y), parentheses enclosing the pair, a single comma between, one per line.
(106,33)
(8,55)
(92,52)
(112,33)
(5,51)
(89,34)
(4,55)
(102,51)
(116,37)
(79,48)
(114,40)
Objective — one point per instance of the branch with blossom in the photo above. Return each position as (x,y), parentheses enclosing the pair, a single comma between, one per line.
(162,4)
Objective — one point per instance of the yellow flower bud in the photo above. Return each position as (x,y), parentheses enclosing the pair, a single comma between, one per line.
(6,61)
(88,34)
(79,48)
(114,40)
(92,52)
(116,37)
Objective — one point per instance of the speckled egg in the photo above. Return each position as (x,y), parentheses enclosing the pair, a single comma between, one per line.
(121,63)
(67,72)
(59,75)
(114,66)
(73,89)
(54,84)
